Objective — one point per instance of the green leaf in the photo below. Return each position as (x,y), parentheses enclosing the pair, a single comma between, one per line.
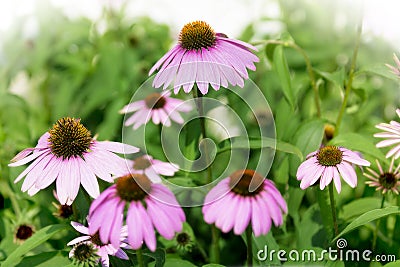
(378,69)
(309,136)
(241,142)
(213,265)
(38,238)
(158,256)
(358,207)
(173,262)
(392,264)
(368,217)
(282,69)
(337,77)
(358,142)
(46,259)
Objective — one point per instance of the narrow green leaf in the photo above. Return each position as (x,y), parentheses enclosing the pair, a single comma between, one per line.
(241,142)
(378,69)
(337,77)
(38,238)
(158,256)
(368,217)
(309,136)
(282,69)
(172,262)
(358,207)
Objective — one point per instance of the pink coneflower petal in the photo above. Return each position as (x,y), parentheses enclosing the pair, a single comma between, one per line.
(134,106)
(135,234)
(145,212)
(243,216)
(158,108)
(238,207)
(69,155)
(35,172)
(78,240)
(80,228)
(117,147)
(225,220)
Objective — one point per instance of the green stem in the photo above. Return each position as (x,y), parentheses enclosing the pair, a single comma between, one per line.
(333,209)
(7,192)
(200,109)
(378,222)
(139,255)
(249,243)
(214,253)
(310,70)
(350,79)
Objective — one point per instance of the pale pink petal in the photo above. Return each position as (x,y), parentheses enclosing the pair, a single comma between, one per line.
(50,173)
(135,224)
(226,218)
(336,180)
(116,147)
(74,178)
(348,173)
(78,240)
(165,59)
(80,228)
(62,183)
(33,176)
(29,158)
(134,106)
(88,179)
(152,175)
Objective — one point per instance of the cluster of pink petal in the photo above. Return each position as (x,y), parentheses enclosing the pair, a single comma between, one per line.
(162,212)
(143,114)
(229,210)
(69,173)
(310,171)
(392,135)
(156,168)
(103,251)
(222,64)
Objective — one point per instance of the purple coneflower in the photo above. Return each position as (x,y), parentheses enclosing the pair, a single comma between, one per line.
(153,168)
(230,204)
(384,180)
(204,57)
(395,69)
(150,206)
(101,249)
(392,133)
(161,108)
(69,155)
(327,164)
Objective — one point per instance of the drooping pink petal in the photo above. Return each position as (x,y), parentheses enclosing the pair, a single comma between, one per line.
(88,179)
(135,224)
(243,215)
(78,240)
(80,228)
(116,147)
(134,106)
